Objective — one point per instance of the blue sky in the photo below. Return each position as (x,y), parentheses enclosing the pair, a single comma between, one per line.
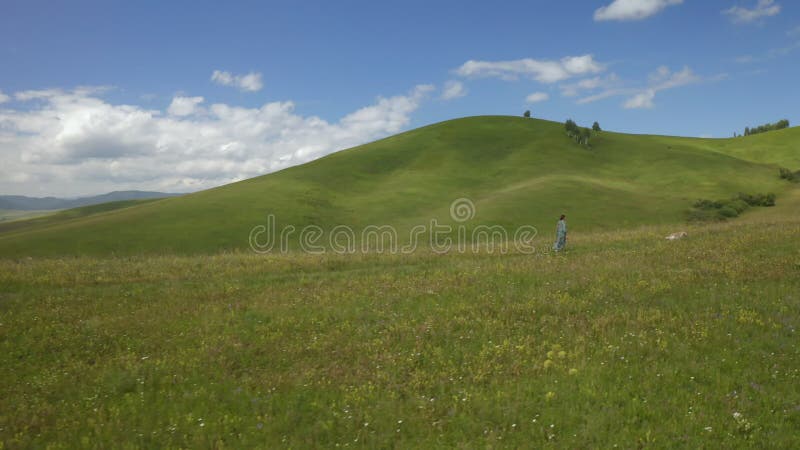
(97,96)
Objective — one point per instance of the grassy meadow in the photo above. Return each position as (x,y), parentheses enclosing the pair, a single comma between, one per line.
(150,324)
(625,340)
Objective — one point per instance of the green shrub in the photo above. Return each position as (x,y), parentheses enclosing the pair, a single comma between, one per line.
(737,205)
(702,215)
(727,212)
(704,210)
(706,204)
(788,175)
(758,199)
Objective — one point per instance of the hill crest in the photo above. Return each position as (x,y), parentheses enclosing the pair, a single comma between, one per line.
(516,171)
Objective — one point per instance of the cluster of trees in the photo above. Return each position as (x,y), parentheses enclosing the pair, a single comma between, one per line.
(705,210)
(767,127)
(581,135)
(788,175)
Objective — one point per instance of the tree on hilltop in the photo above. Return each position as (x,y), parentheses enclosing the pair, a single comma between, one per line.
(585,135)
(581,135)
(779,125)
(571,127)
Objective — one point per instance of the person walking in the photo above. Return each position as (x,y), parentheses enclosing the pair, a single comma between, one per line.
(561,234)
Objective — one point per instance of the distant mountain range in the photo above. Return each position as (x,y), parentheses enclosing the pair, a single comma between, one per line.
(23,203)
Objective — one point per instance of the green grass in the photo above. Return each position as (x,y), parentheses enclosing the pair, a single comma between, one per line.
(10,215)
(780,147)
(149,324)
(45,219)
(516,171)
(626,340)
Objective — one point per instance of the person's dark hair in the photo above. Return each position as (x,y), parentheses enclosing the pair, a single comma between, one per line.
(562,217)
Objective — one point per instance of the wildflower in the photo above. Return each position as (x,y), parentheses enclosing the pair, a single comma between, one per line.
(550,395)
(573,371)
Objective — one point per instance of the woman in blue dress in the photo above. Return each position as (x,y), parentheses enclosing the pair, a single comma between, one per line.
(561,234)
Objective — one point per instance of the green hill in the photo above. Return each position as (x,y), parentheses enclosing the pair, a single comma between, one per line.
(38,219)
(10,215)
(516,171)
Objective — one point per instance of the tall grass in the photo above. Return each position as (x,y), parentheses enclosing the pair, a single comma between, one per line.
(626,340)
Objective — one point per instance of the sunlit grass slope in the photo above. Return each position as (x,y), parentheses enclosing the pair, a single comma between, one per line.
(10,215)
(780,147)
(517,171)
(45,218)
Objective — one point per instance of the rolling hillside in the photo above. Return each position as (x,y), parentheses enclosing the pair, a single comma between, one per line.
(23,203)
(516,171)
(38,219)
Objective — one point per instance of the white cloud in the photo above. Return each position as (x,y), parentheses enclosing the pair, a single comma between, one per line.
(537,97)
(250,82)
(589,84)
(782,51)
(794,32)
(643,97)
(544,71)
(44,94)
(745,59)
(184,106)
(770,54)
(762,9)
(642,100)
(632,9)
(74,142)
(662,79)
(453,89)
(606,94)
(387,116)
(3,97)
